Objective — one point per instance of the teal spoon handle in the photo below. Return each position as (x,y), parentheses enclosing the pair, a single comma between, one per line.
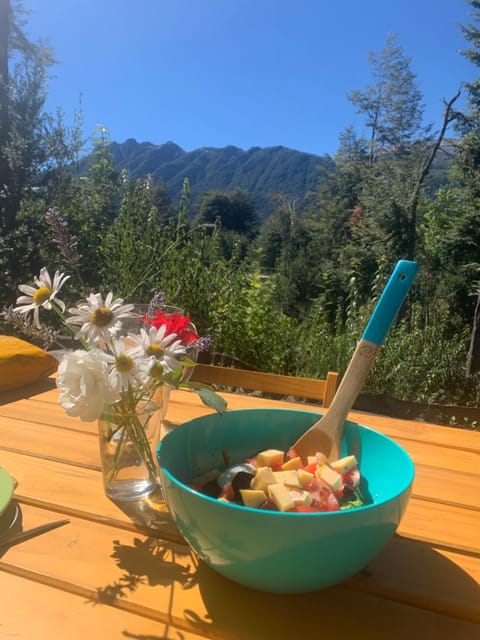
(390,301)
(326,434)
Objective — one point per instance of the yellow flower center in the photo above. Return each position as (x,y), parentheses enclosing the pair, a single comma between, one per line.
(155,350)
(156,372)
(41,295)
(123,363)
(102,317)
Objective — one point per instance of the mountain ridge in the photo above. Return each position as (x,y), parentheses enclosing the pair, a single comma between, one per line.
(262,171)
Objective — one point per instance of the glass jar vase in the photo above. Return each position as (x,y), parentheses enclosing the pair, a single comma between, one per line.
(127,438)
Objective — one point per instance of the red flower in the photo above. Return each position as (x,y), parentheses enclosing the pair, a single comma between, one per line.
(175,323)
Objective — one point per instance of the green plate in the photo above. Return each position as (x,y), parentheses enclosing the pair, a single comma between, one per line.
(6,490)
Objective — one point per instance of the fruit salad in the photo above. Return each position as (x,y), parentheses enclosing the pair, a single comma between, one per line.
(277,481)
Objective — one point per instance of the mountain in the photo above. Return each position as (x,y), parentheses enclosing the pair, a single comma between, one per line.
(260,171)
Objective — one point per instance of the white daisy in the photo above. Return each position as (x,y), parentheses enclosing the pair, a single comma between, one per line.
(127,369)
(99,318)
(42,296)
(164,348)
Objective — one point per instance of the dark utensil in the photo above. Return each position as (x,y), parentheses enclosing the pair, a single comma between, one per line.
(9,539)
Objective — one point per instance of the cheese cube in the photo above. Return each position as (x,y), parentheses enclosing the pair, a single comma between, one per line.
(293,463)
(305,477)
(330,476)
(301,497)
(321,458)
(263,477)
(344,464)
(252,497)
(270,457)
(289,477)
(280,495)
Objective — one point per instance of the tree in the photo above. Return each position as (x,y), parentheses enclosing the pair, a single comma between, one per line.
(22,121)
(235,210)
(392,104)
(286,248)
(402,150)
(469,127)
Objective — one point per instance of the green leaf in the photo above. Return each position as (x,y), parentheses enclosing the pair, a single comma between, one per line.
(212,400)
(358,501)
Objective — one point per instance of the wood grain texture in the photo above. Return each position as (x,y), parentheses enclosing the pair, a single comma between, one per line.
(107,577)
(314,389)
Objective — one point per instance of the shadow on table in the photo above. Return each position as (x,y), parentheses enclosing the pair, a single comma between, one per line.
(153,562)
(398,593)
(27,391)
(11,522)
(369,600)
(150,512)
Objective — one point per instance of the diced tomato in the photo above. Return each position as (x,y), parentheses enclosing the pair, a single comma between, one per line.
(305,508)
(322,495)
(311,468)
(227,492)
(332,503)
(339,492)
(291,453)
(352,478)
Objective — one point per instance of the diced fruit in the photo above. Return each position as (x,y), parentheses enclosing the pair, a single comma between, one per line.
(268,505)
(291,453)
(252,497)
(331,477)
(227,492)
(332,503)
(306,508)
(322,495)
(305,477)
(301,497)
(280,495)
(343,465)
(229,473)
(241,480)
(288,477)
(321,458)
(352,478)
(292,463)
(270,458)
(278,482)
(263,478)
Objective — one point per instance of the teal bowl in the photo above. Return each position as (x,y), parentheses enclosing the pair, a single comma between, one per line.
(273,551)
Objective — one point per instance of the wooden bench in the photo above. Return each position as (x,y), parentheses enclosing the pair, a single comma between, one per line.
(309,388)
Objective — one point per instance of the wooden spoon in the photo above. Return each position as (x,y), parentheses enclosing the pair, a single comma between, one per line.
(326,434)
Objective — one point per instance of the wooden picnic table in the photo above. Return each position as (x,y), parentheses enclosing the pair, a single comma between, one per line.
(102,576)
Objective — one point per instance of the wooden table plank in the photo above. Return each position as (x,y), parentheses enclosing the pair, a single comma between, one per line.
(184,405)
(77,485)
(442,525)
(151,577)
(50,443)
(104,569)
(31,610)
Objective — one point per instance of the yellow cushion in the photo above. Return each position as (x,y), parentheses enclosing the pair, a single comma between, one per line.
(22,363)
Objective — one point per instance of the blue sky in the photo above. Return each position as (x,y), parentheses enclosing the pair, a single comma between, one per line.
(241,72)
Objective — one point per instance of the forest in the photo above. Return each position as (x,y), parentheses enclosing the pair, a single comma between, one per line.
(290,293)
